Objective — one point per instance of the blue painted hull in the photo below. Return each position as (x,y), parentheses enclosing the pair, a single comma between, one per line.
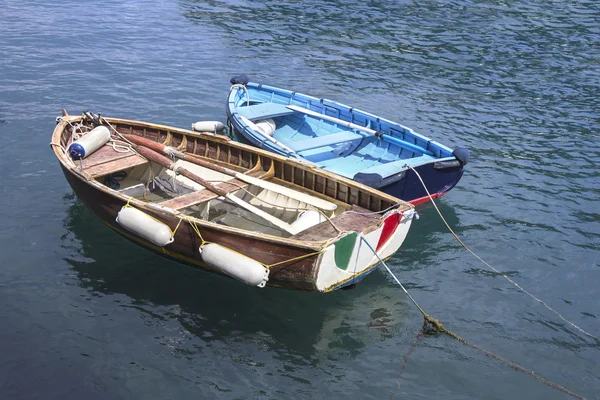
(346,141)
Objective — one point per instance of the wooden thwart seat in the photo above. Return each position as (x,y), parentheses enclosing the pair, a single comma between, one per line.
(264,111)
(325,140)
(191,199)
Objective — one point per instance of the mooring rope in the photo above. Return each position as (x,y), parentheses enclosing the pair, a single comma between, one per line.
(432,325)
(494,269)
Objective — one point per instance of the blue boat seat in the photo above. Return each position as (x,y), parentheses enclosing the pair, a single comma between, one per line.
(264,111)
(326,140)
(383,174)
(394,167)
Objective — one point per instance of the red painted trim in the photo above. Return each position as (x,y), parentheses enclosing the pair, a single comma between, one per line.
(389,227)
(425,199)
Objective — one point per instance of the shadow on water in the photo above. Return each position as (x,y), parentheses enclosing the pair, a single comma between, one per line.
(216,308)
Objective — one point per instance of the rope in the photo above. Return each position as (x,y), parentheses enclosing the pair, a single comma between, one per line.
(239,85)
(115,144)
(494,269)
(65,152)
(432,325)
(112,180)
(420,337)
(73,138)
(119,147)
(396,279)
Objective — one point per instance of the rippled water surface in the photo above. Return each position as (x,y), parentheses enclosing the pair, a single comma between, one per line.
(86,314)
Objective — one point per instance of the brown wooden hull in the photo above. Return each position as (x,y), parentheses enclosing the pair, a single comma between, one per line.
(299,275)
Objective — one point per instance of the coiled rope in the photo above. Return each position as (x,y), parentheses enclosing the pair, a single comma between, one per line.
(241,86)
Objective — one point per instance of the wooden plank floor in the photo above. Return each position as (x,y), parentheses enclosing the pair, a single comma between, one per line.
(345,222)
(106,161)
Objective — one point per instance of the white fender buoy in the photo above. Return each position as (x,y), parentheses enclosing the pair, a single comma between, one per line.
(144,226)
(208,126)
(307,219)
(236,265)
(89,143)
(267,126)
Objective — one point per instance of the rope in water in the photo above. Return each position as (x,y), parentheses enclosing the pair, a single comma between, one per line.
(432,325)
(491,267)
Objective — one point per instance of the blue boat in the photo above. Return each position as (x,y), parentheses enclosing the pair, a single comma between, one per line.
(344,140)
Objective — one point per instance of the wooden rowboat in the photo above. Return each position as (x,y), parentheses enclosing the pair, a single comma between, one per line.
(344,140)
(228,208)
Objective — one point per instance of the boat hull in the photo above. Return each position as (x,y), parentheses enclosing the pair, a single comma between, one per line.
(307,262)
(297,275)
(410,188)
(407,186)
(440,172)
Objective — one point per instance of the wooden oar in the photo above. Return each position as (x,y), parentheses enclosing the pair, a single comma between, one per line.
(166,162)
(351,125)
(324,205)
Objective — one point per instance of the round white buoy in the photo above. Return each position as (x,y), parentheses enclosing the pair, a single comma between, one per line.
(236,265)
(89,143)
(208,126)
(144,226)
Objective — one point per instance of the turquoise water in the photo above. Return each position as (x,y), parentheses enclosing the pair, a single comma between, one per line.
(88,315)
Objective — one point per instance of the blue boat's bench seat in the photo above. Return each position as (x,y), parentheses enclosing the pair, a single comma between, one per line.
(385,174)
(325,140)
(391,168)
(264,111)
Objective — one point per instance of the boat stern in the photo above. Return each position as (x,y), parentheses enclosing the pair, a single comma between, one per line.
(350,259)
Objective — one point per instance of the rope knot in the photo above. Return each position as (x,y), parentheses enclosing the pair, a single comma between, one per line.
(431,326)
